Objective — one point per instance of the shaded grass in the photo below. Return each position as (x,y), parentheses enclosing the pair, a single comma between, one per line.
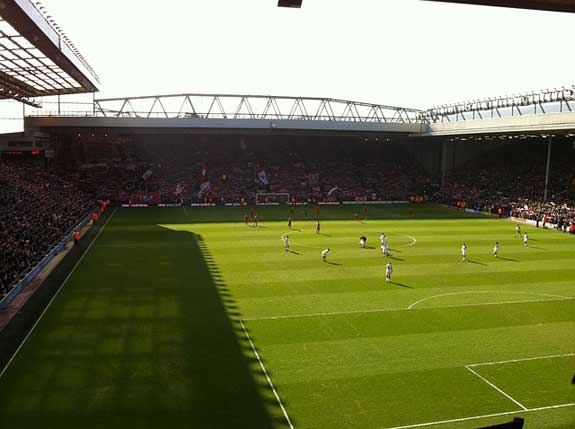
(142,338)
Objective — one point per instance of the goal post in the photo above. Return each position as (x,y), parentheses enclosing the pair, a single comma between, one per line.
(272,198)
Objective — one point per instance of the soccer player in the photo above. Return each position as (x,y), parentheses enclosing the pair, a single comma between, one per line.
(317,211)
(246,220)
(388,271)
(289,222)
(525,239)
(256,220)
(385,248)
(496,249)
(285,238)
(317,227)
(324,254)
(517,229)
(382,238)
(356,216)
(362,241)
(365,210)
(76,237)
(464,252)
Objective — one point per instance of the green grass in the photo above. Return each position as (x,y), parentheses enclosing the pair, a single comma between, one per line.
(149,329)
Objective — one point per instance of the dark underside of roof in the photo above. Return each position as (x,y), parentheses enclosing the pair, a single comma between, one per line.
(550,5)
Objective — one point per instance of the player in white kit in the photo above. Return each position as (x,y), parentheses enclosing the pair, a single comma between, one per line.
(324,254)
(385,248)
(496,249)
(382,238)
(285,238)
(525,239)
(464,252)
(362,241)
(388,271)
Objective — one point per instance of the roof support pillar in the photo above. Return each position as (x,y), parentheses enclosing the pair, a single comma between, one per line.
(549,145)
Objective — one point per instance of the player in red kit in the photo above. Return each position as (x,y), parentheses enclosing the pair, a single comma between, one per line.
(291,209)
(365,210)
(246,220)
(289,222)
(356,216)
(317,227)
(317,211)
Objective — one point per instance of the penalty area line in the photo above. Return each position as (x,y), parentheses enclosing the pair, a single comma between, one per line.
(56,294)
(257,355)
(508,396)
(484,416)
(502,362)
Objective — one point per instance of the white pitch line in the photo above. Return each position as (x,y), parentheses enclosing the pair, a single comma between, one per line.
(497,388)
(386,310)
(413,241)
(501,362)
(56,294)
(266,374)
(484,416)
(485,291)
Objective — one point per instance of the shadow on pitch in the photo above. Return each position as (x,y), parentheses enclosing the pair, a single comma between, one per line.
(476,262)
(402,285)
(507,259)
(294,252)
(331,263)
(395,258)
(216,364)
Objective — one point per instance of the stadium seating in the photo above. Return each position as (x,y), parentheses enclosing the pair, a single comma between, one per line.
(308,172)
(512,178)
(37,209)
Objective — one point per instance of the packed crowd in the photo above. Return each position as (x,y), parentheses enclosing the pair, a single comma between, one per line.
(561,217)
(37,209)
(231,170)
(510,181)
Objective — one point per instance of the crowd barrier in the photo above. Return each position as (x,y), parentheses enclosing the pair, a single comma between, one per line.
(29,276)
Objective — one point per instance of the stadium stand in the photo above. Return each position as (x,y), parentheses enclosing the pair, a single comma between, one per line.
(512,178)
(37,208)
(232,170)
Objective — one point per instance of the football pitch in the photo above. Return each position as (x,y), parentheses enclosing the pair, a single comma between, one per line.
(187,318)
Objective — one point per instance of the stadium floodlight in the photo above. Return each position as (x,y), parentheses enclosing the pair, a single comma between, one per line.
(290,3)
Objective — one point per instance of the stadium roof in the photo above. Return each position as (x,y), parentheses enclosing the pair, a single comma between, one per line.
(36,57)
(551,5)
